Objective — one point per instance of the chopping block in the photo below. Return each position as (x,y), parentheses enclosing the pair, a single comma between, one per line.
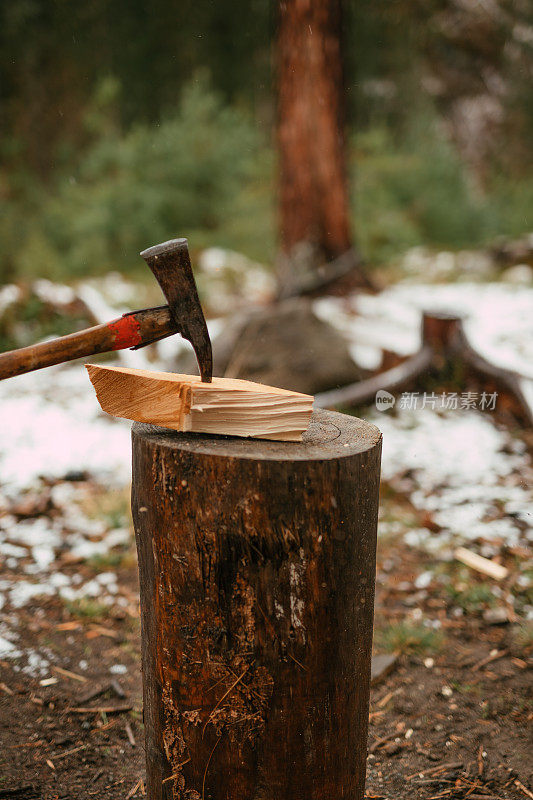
(257,571)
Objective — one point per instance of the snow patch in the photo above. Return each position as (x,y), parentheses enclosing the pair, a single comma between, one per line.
(469,475)
(8,649)
(498,319)
(8,295)
(57,294)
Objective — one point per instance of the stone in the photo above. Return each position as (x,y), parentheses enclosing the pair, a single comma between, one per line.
(284,345)
(382,665)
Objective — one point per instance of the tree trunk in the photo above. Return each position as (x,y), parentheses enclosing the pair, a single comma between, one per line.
(256,564)
(314,203)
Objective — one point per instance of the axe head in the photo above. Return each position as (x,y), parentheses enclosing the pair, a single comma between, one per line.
(171,265)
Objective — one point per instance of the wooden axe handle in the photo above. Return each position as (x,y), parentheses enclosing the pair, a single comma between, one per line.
(135,329)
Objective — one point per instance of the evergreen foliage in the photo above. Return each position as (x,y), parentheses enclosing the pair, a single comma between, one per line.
(124,123)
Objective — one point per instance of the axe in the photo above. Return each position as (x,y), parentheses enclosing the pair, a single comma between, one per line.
(171,265)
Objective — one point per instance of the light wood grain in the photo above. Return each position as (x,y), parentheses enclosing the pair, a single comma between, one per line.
(184,403)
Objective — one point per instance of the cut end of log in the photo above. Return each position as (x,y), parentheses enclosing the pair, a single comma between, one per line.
(184,403)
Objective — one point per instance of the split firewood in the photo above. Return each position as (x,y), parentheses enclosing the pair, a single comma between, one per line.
(184,403)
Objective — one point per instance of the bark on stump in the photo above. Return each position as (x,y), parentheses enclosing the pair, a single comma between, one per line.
(256,564)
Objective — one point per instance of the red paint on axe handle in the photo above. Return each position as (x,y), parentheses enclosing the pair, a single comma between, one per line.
(126,332)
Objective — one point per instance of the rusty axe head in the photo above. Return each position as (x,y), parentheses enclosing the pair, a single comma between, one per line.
(171,265)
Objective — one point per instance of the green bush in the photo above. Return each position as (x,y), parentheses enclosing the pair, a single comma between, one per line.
(183,176)
(416,191)
(407,195)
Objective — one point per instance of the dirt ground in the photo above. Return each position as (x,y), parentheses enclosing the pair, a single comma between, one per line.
(451,719)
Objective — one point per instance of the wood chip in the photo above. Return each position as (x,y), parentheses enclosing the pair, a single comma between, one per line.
(129,734)
(67,753)
(436,770)
(384,700)
(494,655)
(381,741)
(99,710)
(99,630)
(48,682)
(68,674)
(481,564)
(117,688)
(109,632)
(134,790)
(480,763)
(6,689)
(523,788)
(97,775)
(68,626)
(38,701)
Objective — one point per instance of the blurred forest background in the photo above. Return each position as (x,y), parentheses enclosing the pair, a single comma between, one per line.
(126,123)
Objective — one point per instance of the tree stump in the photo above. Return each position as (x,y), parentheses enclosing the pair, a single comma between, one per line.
(257,564)
(445,359)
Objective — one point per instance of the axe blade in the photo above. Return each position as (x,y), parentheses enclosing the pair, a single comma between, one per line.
(171,264)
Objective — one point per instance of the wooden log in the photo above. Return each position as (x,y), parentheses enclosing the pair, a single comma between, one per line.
(256,563)
(185,403)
